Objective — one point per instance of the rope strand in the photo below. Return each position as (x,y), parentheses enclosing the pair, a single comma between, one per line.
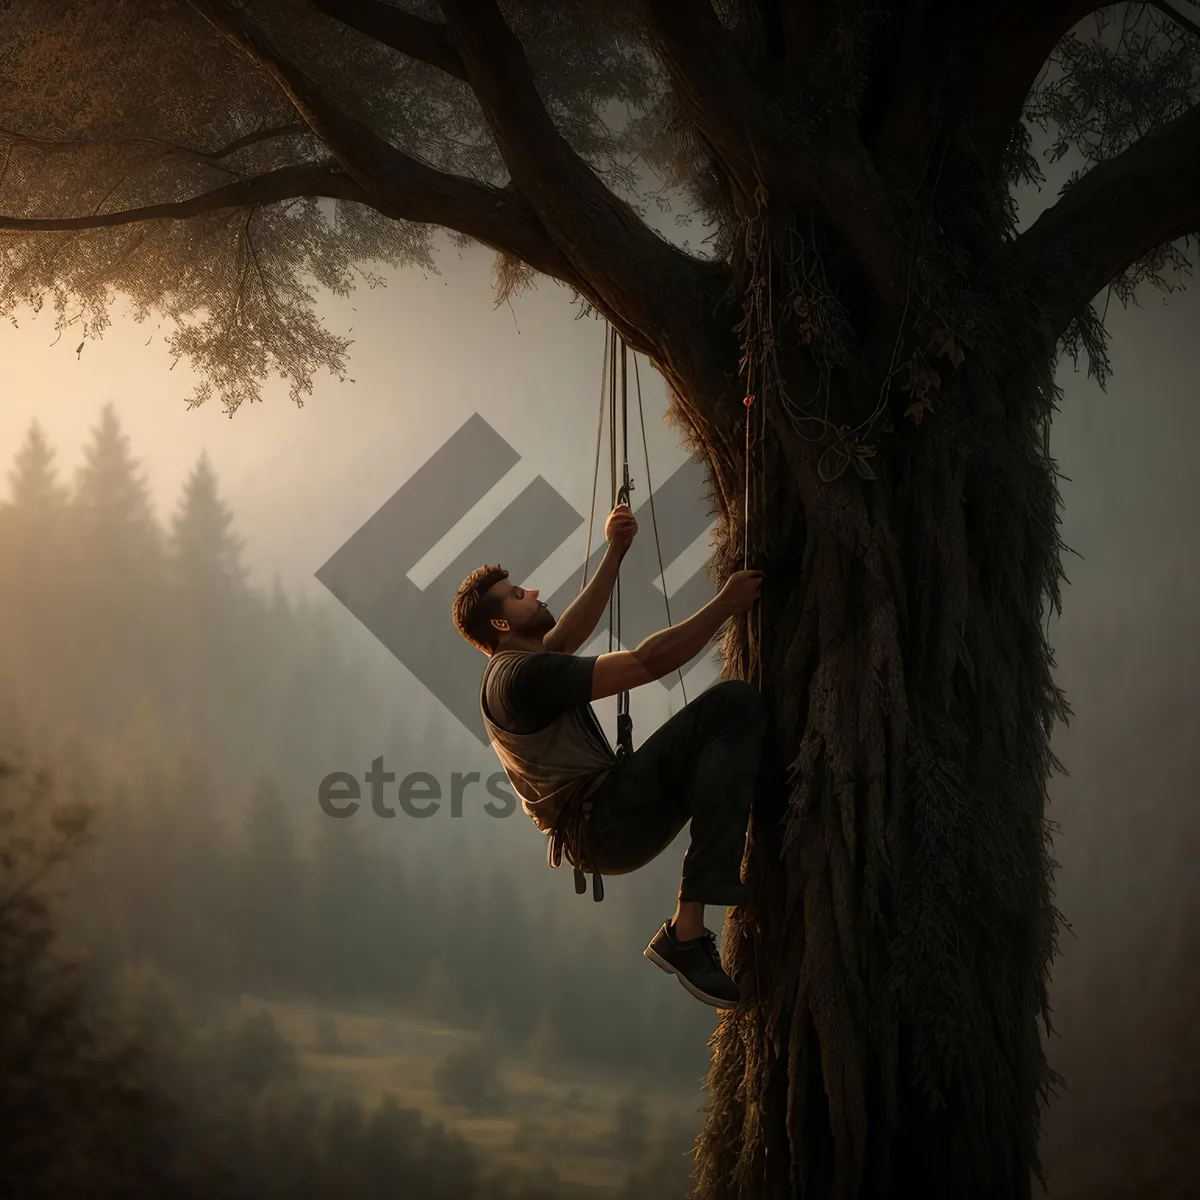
(587,554)
(653,518)
(620,494)
(759,342)
(761,508)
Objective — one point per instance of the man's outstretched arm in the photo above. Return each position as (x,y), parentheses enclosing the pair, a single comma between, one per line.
(672,648)
(582,615)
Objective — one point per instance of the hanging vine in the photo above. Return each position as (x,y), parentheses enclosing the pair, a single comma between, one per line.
(812,314)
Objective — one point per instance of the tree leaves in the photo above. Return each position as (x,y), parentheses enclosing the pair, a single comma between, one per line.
(859,461)
(919,378)
(942,343)
(844,453)
(916,411)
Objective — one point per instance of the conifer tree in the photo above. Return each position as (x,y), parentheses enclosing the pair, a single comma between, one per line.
(117,641)
(114,518)
(33,595)
(215,643)
(206,555)
(34,488)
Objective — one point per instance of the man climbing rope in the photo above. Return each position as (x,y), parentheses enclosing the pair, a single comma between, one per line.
(613,813)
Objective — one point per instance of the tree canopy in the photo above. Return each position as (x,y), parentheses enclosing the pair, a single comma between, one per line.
(218,162)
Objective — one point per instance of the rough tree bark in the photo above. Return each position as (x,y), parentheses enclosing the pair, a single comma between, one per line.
(899,341)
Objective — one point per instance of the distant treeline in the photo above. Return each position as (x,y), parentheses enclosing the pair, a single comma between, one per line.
(114,620)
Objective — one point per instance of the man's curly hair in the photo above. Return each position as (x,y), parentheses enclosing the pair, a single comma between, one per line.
(475,604)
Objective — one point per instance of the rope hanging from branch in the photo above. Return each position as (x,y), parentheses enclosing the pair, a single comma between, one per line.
(754,621)
(620,494)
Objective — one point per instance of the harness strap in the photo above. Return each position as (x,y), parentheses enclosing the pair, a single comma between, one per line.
(570,834)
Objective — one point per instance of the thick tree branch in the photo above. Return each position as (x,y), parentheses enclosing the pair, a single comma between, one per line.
(740,123)
(1180,19)
(1119,211)
(395,183)
(644,285)
(428,41)
(968,67)
(747,130)
(287,183)
(1013,56)
(365,156)
(232,147)
(249,139)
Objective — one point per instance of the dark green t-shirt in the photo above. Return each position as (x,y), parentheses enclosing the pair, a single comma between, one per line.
(524,693)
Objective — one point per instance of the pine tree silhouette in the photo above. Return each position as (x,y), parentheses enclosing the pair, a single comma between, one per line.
(112,504)
(217,623)
(116,640)
(35,491)
(205,553)
(32,599)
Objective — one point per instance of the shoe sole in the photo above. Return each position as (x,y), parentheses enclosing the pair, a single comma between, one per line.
(662,964)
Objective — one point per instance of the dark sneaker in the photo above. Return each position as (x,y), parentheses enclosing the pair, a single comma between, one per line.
(697,963)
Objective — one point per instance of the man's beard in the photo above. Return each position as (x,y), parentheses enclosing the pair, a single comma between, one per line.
(542,621)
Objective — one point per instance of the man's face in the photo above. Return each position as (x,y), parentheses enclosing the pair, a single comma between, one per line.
(522,609)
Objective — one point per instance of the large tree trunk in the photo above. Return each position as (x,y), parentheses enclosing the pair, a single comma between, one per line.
(898,941)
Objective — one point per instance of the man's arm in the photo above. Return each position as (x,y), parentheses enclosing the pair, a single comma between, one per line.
(660,653)
(669,649)
(582,615)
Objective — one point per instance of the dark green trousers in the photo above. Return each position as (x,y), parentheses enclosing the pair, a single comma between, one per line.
(703,764)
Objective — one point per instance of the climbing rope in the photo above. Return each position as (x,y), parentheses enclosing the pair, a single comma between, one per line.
(754,623)
(653,518)
(587,554)
(620,494)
